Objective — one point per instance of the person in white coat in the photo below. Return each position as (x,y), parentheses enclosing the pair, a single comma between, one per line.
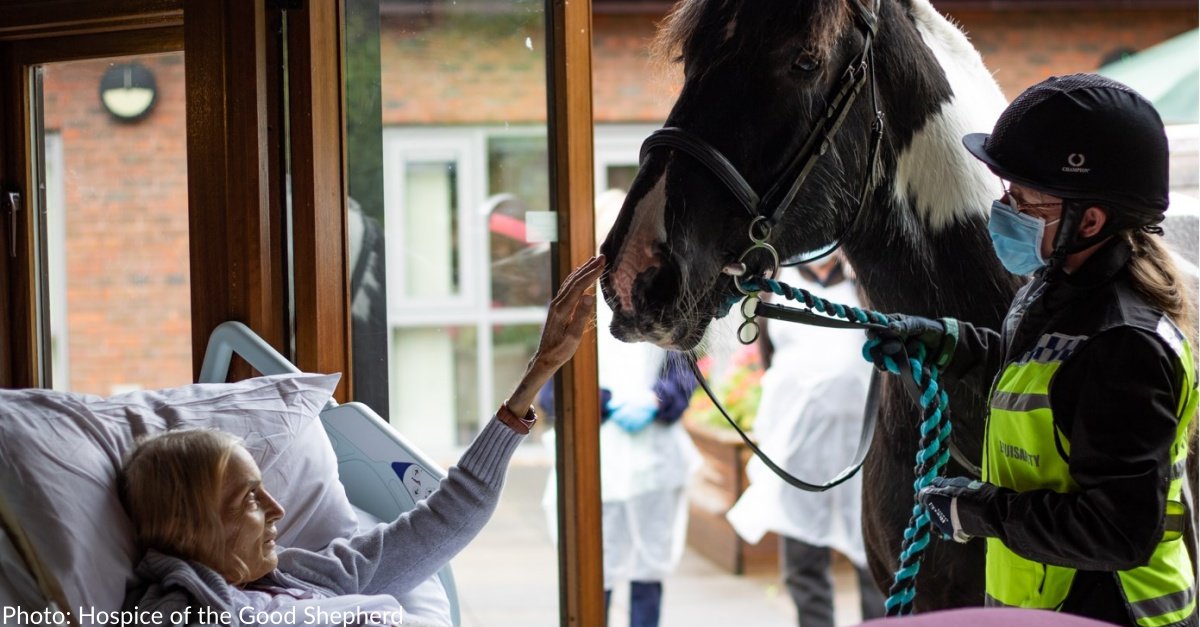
(809,420)
(646,457)
(646,461)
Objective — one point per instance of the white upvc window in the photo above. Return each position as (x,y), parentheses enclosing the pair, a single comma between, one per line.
(466,292)
(432,247)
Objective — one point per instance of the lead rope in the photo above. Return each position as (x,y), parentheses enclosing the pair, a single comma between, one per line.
(921,375)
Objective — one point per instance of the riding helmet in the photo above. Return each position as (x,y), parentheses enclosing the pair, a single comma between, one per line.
(1083,137)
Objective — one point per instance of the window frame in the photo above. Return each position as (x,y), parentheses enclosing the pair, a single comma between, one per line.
(429,145)
(618,145)
(24,45)
(236,164)
(474,308)
(571,124)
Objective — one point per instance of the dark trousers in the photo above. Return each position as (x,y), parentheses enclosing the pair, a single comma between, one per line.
(807,577)
(645,603)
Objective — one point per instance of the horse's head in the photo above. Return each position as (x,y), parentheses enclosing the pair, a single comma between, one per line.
(761,79)
(758,78)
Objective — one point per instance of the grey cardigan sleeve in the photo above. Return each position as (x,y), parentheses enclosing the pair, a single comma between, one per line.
(399,555)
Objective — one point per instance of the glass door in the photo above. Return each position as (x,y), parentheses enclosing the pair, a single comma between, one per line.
(458,105)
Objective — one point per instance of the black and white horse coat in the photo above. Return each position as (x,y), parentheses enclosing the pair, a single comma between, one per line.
(755,74)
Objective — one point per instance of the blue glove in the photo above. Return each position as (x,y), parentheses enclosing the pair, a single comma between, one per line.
(633,416)
(952,500)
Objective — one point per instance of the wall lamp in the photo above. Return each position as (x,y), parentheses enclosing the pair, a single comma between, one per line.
(127,91)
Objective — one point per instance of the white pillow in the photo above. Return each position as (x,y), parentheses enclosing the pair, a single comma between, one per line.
(60,454)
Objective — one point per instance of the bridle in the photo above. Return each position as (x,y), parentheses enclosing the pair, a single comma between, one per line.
(935,445)
(767,211)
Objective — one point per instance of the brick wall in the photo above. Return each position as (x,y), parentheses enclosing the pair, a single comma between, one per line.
(463,70)
(444,73)
(441,74)
(126,242)
(1024,47)
(628,85)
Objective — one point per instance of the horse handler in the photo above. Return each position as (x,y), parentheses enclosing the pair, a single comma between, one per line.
(1081,501)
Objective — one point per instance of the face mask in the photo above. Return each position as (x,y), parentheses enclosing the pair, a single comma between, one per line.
(1017,238)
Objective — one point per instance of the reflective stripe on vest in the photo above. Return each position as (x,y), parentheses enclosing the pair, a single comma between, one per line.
(1020,453)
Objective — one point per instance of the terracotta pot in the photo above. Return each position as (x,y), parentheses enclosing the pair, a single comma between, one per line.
(717,486)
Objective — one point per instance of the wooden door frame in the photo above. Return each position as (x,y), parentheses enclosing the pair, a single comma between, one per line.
(236,175)
(35,19)
(317,124)
(235,194)
(577,437)
(237,217)
(33,33)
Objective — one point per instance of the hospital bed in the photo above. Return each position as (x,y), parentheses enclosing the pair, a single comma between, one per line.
(383,474)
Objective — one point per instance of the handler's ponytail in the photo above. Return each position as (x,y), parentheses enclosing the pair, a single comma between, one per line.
(1156,278)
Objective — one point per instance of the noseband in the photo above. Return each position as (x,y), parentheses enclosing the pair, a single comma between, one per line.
(767,211)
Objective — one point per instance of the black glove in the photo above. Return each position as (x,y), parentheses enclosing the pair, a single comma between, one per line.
(951,501)
(939,337)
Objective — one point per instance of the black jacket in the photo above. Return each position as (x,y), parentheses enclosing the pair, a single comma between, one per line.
(1114,399)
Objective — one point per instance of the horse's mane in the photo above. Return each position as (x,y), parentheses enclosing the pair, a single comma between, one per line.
(827,20)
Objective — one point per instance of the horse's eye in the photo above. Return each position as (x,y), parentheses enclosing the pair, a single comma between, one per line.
(806,63)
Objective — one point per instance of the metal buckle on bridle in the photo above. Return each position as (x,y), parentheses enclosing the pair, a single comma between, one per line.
(759,232)
(854,71)
(749,330)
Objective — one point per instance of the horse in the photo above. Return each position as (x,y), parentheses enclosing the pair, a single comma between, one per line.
(910,215)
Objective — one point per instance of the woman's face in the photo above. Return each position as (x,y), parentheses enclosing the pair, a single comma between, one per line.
(249,516)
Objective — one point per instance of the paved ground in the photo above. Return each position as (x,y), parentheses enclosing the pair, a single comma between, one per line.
(508,576)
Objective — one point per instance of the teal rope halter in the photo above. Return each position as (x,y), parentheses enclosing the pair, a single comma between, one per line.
(934,449)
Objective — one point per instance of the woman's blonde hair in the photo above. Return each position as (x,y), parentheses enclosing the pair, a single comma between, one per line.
(171,487)
(1160,282)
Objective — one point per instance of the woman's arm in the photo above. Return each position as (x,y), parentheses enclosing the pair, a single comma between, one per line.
(979,352)
(399,555)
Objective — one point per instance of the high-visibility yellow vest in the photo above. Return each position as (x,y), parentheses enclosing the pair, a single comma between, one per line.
(1022,452)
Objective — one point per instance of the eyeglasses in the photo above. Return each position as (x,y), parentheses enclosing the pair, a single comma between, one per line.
(1020,205)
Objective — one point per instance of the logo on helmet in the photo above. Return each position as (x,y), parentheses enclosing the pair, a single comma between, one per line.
(1075,163)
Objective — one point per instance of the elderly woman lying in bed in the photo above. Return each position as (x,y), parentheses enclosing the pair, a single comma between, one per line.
(208,526)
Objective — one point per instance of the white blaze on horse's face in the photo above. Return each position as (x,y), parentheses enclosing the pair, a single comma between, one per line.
(637,253)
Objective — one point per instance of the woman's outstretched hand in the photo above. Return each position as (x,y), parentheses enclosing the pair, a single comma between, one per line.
(566,320)
(569,314)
